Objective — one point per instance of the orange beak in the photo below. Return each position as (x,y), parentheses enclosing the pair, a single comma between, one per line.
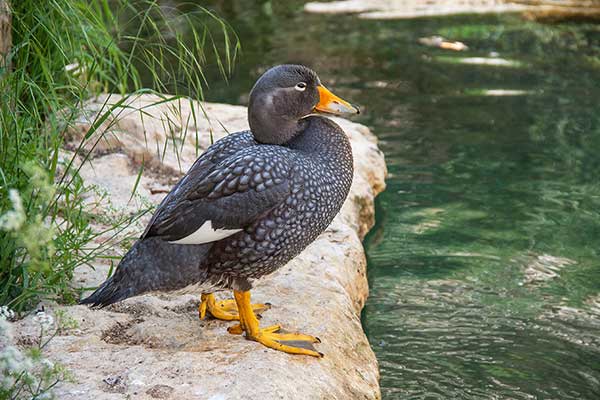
(330,103)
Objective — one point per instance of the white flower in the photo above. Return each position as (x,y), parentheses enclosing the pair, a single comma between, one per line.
(45,396)
(6,312)
(45,320)
(6,332)
(13,361)
(14,219)
(6,381)
(72,67)
(47,363)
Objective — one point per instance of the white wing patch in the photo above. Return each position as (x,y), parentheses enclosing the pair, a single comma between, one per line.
(206,234)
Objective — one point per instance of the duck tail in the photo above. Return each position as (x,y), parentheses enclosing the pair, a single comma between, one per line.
(152,264)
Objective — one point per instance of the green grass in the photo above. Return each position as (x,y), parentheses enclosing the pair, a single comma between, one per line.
(64,52)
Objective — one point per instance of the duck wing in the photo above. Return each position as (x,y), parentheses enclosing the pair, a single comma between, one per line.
(218,199)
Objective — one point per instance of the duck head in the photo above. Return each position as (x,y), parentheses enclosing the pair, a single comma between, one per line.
(283,96)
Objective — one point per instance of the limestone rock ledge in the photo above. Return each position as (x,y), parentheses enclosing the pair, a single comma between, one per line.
(401,9)
(154,346)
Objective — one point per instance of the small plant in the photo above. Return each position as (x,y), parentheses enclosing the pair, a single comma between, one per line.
(64,52)
(27,374)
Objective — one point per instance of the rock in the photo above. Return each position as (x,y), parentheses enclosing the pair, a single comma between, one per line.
(154,346)
(489,61)
(160,391)
(399,9)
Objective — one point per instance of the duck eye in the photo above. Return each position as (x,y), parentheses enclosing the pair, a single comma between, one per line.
(300,86)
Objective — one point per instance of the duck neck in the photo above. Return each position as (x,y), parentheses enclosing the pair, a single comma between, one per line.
(275,130)
(322,138)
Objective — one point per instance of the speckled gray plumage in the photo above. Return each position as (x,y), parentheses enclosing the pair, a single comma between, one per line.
(280,196)
(183,210)
(320,177)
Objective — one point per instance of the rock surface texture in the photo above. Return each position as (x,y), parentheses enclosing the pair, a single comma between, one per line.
(154,346)
(399,9)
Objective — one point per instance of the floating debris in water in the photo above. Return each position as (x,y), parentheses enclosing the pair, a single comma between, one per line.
(442,43)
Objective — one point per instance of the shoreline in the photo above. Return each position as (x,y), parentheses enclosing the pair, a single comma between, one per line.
(154,346)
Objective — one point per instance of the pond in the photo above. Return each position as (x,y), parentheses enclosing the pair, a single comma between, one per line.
(484,263)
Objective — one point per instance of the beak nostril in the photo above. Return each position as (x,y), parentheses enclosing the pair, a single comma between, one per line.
(336,102)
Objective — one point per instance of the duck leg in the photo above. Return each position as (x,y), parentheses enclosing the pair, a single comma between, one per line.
(225,310)
(293,343)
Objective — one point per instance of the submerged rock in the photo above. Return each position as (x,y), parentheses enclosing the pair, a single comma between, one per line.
(543,268)
(154,346)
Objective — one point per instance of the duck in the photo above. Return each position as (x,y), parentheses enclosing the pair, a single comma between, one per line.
(248,205)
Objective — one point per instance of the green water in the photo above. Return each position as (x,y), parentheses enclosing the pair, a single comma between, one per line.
(485,193)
